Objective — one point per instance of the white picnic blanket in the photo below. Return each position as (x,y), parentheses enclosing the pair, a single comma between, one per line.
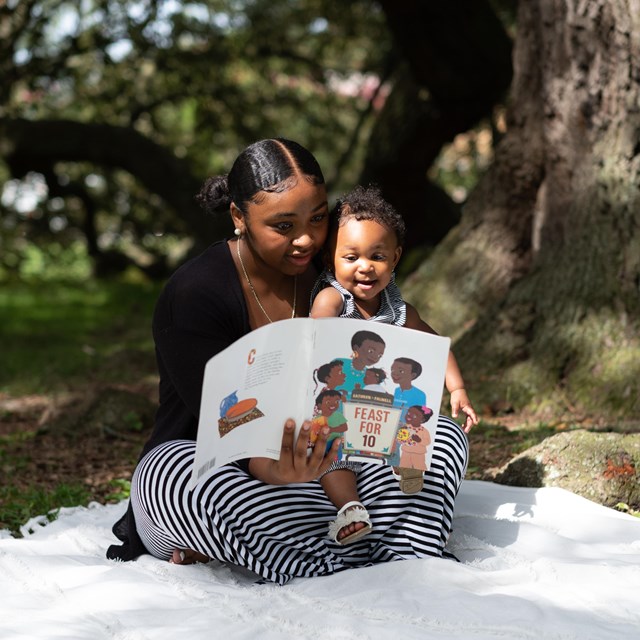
(539,563)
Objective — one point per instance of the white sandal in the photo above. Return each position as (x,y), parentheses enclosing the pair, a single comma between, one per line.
(347,515)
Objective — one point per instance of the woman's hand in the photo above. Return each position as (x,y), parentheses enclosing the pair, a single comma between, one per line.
(294,464)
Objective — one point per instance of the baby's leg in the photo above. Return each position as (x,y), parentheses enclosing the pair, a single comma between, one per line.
(340,487)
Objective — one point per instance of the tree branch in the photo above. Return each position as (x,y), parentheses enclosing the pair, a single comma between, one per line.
(29,143)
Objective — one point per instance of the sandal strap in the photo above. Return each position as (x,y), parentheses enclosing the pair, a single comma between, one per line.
(353,503)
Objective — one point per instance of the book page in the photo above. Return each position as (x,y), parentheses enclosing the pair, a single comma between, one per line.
(249,390)
(383,393)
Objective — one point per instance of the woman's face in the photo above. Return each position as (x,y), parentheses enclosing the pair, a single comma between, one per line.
(285,230)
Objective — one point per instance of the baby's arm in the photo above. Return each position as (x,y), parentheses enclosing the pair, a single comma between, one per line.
(327,304)
(453,376)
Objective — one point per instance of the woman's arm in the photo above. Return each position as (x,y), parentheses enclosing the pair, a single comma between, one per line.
(199,313)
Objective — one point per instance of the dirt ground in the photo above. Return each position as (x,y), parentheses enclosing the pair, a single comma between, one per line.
(36,455)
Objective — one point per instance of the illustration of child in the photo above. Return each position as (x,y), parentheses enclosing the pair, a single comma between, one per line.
(331,375)
(414,449)
(363,249)
(327,414)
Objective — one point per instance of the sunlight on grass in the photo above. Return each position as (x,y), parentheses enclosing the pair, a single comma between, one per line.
(121,490)
(55,334)
(18,505)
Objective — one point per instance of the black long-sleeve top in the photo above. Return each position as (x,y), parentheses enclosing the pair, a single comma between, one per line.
(200,312)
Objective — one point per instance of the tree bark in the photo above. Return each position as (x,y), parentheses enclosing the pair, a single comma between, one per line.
(540,281)
(458,66)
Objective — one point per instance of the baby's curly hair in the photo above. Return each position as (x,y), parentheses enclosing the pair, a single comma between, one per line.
(368,204)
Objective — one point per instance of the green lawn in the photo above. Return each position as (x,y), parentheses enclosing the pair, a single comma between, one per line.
(54,335)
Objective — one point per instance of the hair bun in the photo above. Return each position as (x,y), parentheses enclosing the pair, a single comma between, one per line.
(214,196)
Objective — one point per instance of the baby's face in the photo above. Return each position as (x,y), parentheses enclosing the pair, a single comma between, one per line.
(364,256)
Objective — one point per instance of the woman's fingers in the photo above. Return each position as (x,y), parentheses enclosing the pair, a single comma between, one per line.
(295,463)
(317,455)
(287,438)
(302,443)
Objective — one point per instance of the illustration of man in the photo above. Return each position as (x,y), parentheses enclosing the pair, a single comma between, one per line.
(403,372)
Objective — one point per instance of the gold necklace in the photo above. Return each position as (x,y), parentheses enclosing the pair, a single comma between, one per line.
(255,295)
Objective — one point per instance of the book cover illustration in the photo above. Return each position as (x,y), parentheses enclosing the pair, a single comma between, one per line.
(379,387)
(382,393)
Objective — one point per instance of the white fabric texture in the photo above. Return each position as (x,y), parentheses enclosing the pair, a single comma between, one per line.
(534,564)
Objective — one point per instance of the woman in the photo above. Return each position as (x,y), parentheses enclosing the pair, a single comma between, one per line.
(268,516)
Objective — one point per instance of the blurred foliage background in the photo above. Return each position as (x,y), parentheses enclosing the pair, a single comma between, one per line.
(113,112)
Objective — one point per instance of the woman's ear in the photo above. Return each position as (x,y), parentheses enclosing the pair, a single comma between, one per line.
(237,217)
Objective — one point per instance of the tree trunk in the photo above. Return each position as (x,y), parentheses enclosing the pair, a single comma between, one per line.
(458,66)
(540,281)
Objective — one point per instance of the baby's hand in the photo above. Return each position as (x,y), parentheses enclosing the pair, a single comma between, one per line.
(460,402)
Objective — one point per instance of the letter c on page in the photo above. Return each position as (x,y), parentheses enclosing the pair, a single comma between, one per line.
(252,356)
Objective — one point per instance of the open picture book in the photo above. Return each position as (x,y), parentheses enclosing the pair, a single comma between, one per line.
(376,386)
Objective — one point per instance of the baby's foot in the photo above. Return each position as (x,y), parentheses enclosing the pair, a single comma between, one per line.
(352,523)
(351,528)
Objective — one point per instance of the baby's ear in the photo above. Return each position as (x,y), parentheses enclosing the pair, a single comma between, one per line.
(396,256)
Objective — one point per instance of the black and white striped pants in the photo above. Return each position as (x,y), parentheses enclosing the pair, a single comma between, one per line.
(280,532)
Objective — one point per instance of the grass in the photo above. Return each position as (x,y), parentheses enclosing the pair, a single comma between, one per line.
(625,508)
(494,444)
(56,335)
(19,504)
